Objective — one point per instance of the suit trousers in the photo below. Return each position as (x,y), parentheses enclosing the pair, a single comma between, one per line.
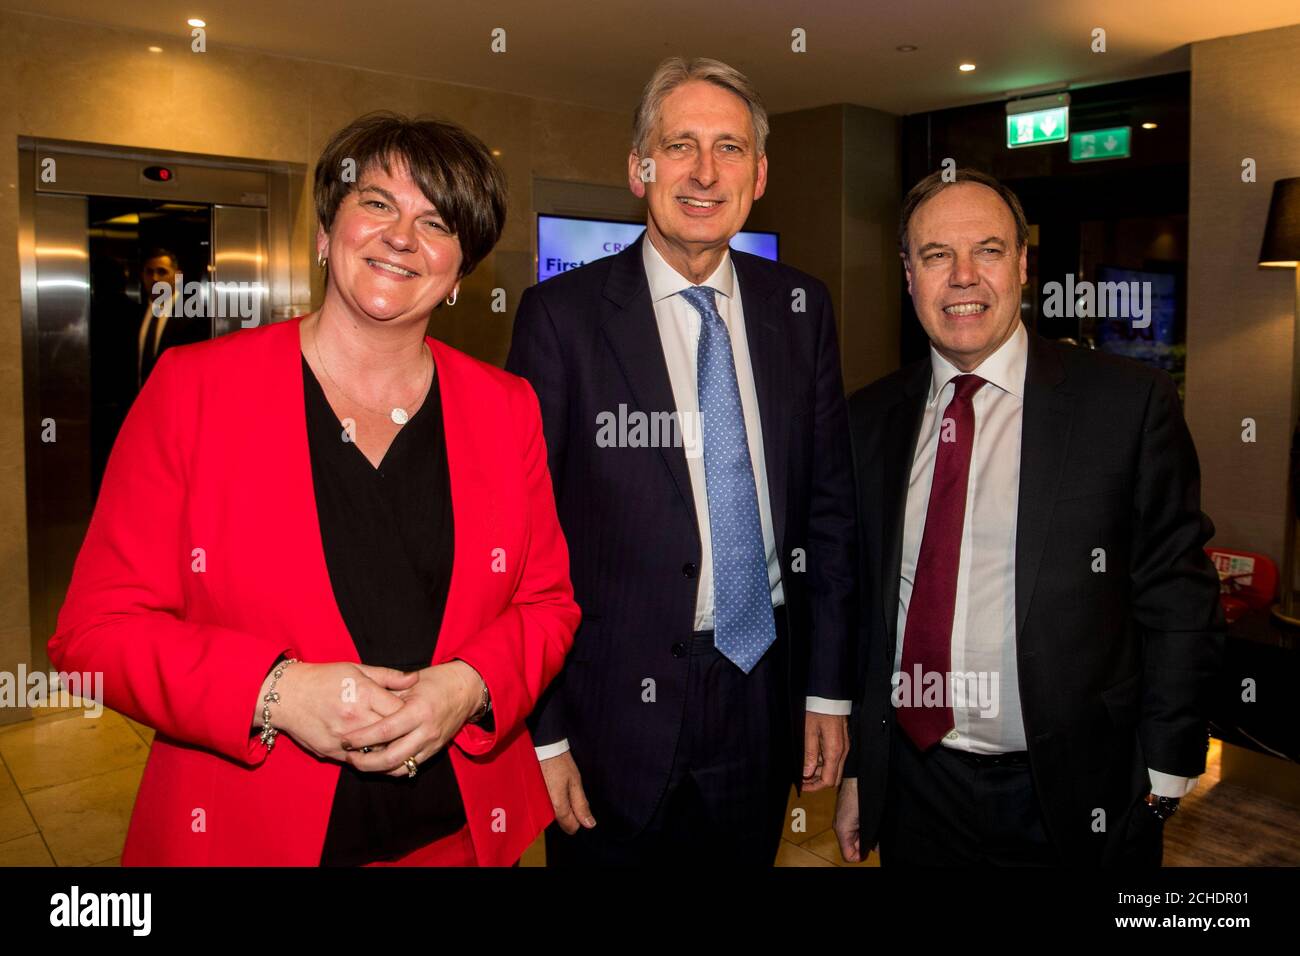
(725,800)
(943,809)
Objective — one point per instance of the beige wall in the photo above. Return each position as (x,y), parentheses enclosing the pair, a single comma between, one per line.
(833,195)
(73,81)
(1240,322)
(873,272)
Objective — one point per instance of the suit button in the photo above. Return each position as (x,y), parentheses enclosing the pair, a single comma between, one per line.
(689,570)
(883,724)
(679,649)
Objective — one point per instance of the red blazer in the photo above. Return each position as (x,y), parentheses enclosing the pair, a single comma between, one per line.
(203,562)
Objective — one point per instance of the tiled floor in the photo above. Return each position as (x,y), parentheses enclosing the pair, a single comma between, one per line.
(67,784)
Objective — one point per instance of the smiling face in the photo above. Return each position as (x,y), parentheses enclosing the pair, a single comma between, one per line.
(707,173)
(391,255)
(964,272)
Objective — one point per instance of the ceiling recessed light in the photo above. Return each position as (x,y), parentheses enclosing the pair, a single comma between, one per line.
(155,49)
(966,67)
(496,152)
(1148,125)
(196,22)
(906,48)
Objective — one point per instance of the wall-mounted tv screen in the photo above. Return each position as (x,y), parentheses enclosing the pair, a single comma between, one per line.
(564,242)
(1152,338)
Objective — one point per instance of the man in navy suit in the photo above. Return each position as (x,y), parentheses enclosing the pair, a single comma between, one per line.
(697,437)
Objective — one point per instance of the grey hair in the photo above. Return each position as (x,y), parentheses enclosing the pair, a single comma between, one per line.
(675,71)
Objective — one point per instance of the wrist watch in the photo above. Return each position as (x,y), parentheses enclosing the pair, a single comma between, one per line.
(1162,807)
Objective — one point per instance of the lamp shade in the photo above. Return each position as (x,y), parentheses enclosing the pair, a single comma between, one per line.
(1281,248)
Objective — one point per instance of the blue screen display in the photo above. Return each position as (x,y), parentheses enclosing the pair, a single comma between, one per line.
(564,243)
(1155,343)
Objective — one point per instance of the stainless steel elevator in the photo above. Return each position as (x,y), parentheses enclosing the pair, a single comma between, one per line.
(88,214)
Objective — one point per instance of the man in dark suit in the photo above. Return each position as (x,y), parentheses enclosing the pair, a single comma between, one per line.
(1041,624)
(697,438)
(163,322)
(126,339)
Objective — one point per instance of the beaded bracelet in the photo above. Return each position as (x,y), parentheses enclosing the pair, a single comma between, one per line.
(484,706)
(269,732)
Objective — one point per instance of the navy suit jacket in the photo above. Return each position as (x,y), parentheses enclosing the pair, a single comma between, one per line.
(589,343)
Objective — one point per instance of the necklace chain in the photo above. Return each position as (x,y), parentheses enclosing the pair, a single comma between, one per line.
(392,413)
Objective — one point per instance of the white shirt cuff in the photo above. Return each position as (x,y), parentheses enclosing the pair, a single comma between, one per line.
(836,708)
(1168,785)
(547,751)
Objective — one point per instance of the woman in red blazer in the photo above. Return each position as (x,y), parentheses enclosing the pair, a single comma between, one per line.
(325,563)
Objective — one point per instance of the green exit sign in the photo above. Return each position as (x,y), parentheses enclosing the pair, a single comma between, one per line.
(1039,127)
(1100,144)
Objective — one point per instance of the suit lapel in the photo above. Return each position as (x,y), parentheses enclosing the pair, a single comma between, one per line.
(1044,438)
(769,356)
(628,322)
(902,428)
(290,502)
(475,514)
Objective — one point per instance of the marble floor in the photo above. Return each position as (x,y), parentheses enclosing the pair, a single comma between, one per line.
(67,784)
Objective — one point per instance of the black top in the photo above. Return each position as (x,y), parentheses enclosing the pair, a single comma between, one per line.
(387,534)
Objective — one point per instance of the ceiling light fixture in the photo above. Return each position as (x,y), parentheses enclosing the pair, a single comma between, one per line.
(196,22)
(966,67)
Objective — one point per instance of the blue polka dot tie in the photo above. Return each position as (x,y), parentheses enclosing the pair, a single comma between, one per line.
(743,627)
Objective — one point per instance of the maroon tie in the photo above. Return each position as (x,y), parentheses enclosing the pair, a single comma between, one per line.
(927,637)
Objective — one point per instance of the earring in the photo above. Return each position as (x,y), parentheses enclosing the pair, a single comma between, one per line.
(451,299)
(320,261)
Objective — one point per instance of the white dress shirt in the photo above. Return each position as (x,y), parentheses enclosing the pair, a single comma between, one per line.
(679,334)
(984,616)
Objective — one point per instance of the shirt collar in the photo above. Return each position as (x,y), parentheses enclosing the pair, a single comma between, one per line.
(665,281)
(1005,368)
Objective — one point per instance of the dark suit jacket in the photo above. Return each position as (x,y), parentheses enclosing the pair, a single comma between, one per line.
(179,330)
(588,342)
(114,352)
(1115,667)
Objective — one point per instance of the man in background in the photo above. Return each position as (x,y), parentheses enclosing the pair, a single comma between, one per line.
(162,325)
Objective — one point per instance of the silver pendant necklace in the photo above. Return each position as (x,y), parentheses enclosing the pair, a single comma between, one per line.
(398,414)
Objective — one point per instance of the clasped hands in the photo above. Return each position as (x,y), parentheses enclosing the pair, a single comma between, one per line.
(334,710)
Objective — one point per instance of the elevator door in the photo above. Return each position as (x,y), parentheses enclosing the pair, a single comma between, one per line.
(99,241)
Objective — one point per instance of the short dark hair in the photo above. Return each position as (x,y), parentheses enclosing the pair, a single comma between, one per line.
(159,252)
(449,164)
(935,183)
